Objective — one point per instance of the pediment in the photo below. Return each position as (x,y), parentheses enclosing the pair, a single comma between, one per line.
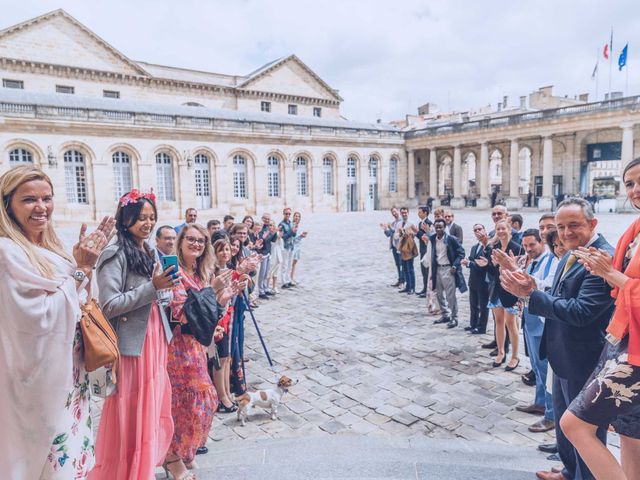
(57,38)
(290,76)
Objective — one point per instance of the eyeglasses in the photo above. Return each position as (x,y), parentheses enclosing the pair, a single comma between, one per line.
(477,229)
(199,241)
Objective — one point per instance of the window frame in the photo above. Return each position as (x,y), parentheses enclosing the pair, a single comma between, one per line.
(18,84)
(107,94)
(393,175)
(122,173)
(292,109)
(66,89)
(273,176)
(265,106)
(317,112)
(302,176)
(75,177)
(240,176)
(327,176)
(165,184)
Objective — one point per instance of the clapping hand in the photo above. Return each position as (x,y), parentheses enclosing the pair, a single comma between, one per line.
(596,261)
(303,234)
(506,262)
(482,262)
(89,247)
(464,262)
(221,281)
(259,243)
(517,283)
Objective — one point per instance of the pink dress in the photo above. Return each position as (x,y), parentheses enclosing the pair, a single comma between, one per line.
(136,425)
(194,398)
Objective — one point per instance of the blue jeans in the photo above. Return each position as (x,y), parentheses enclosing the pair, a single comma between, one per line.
(534,326)
(398,261)
(409,274)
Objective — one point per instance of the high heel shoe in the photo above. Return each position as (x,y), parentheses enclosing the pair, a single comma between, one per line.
(497,364)
(186,475)
(511,369)
(224,409)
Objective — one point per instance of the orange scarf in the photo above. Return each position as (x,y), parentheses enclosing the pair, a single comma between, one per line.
(626,317)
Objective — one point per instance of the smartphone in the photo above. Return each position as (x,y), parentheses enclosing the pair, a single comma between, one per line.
(170,261)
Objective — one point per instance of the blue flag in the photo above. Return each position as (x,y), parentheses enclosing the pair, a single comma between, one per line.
(622,59)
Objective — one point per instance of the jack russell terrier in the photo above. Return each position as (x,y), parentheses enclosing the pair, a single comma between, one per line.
(263,398)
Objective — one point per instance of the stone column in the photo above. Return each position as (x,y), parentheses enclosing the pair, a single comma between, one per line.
(626,155)
(457,201)
(433,176)
(514,202)
(483,178)
(411,177)
(546,202)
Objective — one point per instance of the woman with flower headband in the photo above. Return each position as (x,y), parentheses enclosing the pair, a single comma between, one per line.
(44,389)
(136,426)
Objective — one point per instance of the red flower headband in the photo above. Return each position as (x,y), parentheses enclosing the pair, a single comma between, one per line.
(134,195)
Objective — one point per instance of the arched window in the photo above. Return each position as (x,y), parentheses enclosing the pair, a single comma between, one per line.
(20,156)
(273,176)
(302,176)
(164,177)
(201,176)
(239,177)
(75,177)
(122,178)
(327,176)
(393,175)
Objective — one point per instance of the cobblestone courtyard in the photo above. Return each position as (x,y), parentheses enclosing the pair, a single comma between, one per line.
(368,360)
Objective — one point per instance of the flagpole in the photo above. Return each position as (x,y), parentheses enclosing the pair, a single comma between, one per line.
(610,61)
(597,71)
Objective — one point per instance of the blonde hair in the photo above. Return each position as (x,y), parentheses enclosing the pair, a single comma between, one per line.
(205,262)
(9,228)
(495,240)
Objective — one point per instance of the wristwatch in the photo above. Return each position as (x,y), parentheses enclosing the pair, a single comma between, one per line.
(79,276)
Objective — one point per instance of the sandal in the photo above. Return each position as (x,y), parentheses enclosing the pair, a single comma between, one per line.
(187,475)
(224,409)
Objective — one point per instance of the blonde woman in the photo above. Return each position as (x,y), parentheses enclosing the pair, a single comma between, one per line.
(193,397)
(44,390)
(501,302)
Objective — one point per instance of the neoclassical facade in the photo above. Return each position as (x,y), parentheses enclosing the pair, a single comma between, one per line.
(100,124)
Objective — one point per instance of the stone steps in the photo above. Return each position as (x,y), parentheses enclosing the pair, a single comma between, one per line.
(351,457)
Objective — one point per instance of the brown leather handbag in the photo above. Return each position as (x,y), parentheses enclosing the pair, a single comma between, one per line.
(99,338)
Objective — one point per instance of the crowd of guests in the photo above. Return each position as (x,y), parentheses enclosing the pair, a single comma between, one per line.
(577,301)
(170,381)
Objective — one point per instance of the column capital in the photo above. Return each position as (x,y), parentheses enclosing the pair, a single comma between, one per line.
(627,126)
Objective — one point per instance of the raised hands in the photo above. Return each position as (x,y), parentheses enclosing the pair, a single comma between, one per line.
(249,264)
(506,262)
(89,247)
(597,262)
(517,283)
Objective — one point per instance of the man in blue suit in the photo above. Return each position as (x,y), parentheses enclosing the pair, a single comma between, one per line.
(446,272)
(576,311)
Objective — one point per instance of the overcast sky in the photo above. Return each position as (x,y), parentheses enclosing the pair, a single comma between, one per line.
(385,57)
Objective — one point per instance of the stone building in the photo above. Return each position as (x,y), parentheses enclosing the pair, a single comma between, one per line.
(525,155)
(100,123)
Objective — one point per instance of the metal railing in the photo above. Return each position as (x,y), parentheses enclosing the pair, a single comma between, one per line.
(520,118)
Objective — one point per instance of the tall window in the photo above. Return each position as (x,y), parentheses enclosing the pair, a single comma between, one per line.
(351,169)
(164,177)
(327,176)
(19,156)
(273,176)
(373,168)
(293,110)
(393,175)
(75,177)
(265,106)
(122,178)
(239,177)
(317,111)
(301,176)
(203,184)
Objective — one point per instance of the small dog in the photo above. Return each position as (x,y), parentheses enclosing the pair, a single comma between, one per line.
(263,398)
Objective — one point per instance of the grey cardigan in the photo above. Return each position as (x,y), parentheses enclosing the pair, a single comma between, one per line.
(126,299)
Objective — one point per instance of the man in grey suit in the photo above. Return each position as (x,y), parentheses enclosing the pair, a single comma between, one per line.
(453,229)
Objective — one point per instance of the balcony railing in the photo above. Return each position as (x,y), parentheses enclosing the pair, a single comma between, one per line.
(520,118)
(91,115)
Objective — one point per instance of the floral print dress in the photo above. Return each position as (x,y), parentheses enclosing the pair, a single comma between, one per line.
(72,455)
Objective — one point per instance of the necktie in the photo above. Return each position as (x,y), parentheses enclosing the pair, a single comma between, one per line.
(570,261)
(533,265)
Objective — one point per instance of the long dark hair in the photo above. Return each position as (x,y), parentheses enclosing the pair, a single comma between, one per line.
(138,261)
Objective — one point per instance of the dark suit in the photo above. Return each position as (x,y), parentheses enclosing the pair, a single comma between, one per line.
(421,236)
(576,312)
(456,231)
(478,290)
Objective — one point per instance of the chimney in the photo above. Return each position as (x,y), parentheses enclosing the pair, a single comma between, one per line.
(504,101)
(584,97)
(523,101)
(499,106)
(379,120)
